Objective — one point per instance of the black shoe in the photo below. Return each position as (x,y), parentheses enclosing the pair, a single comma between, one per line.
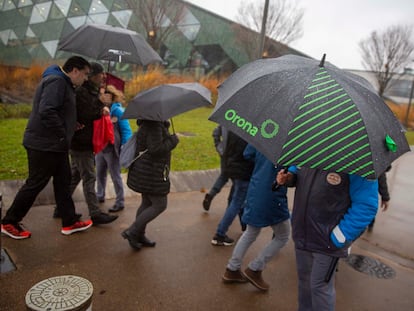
(101,200)
(132,241)
(146,242)
(207,201)
(103,218)
(219,240)
(56,214)
(115,209)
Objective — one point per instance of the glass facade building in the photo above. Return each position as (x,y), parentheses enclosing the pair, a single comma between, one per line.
(30,31)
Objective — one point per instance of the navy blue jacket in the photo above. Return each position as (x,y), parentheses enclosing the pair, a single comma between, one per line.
(331,210)
(264,207)
(52,121)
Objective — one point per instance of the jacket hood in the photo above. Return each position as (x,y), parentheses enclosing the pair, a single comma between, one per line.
(56,71)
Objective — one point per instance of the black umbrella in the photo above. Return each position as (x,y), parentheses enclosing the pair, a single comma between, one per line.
(105,42)
(167,100)
(299,111)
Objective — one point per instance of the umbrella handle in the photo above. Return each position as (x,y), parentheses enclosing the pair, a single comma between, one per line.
(172,125)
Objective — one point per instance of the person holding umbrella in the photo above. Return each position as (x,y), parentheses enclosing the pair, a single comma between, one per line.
(149,175)
(331,210)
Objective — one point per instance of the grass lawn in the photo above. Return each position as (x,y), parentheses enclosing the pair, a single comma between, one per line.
(194,152)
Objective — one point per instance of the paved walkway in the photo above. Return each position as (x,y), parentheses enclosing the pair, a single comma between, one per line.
(183,272)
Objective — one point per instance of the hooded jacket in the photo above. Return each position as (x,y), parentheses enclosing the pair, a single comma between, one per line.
(52,121)
(263,206)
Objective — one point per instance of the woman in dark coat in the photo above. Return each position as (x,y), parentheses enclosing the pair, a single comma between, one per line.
(149,175)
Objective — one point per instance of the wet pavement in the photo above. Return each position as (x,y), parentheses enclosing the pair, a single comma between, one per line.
(183,271)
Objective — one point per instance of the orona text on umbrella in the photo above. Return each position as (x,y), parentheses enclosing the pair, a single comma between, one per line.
(268,129)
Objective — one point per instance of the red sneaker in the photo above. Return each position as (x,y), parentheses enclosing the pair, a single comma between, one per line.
(15,231)
(76,227)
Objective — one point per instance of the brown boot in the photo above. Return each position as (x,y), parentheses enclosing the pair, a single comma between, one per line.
(255,277)
(233,276)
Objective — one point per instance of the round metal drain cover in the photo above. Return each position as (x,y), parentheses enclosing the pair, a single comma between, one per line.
(370,266)
(63,293)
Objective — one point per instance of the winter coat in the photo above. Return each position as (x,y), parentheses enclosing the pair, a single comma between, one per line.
(52,121)
(88,109)
(125,131)
(149,174)
(331,210)
(233,164)
(264,207)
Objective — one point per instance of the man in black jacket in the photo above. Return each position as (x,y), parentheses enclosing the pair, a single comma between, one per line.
(90,106)
(47,138)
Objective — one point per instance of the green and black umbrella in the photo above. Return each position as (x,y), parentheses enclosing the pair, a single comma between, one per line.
(299,111)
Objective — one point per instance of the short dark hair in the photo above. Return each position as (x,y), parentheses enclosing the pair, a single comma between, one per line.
(75,62)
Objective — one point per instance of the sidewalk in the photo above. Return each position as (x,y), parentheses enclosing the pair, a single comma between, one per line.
(183,272)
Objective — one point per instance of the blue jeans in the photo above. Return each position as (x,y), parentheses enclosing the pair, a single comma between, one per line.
(314,293)
(109,160)
(218,185)
(235,206)
(281,236)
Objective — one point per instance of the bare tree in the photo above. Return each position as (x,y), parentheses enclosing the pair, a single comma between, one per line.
(158,18)
(284,24)
(386,53)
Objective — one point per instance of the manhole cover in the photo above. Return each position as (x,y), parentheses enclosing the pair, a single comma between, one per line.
(63,293)
(370,266)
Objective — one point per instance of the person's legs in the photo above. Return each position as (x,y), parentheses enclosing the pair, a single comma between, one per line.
(238,197)
(41,167)
(61,188)
(314,292)
(218,185)
(280,238)
(304,263)
(242,245)
(323,293)
(101,174)
(84,161)
(114,167)
(151,207)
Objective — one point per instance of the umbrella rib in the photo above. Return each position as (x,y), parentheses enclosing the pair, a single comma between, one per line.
(321,141)
(322,113)
(318,107)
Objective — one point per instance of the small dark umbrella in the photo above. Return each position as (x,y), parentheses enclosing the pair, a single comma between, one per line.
(105,42)
(299,111)
(167,100)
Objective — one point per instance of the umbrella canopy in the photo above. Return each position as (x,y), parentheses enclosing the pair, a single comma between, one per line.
(167,100)
(299,111)
(105,42)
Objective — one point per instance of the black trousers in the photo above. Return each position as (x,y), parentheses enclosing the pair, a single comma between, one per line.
(44,165)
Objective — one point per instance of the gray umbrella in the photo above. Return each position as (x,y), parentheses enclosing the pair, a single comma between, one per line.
(299,111)
(167,100)
(105,42)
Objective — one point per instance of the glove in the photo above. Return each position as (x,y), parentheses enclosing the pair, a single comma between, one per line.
(174,139)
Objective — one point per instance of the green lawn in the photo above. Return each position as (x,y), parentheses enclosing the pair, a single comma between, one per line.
(194,152)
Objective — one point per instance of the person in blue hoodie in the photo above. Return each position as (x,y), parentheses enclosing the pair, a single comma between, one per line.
(49,131)
(330,211)
(108,159)
(263,208)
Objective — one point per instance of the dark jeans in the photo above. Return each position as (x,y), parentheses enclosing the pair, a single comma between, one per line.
(44,165)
